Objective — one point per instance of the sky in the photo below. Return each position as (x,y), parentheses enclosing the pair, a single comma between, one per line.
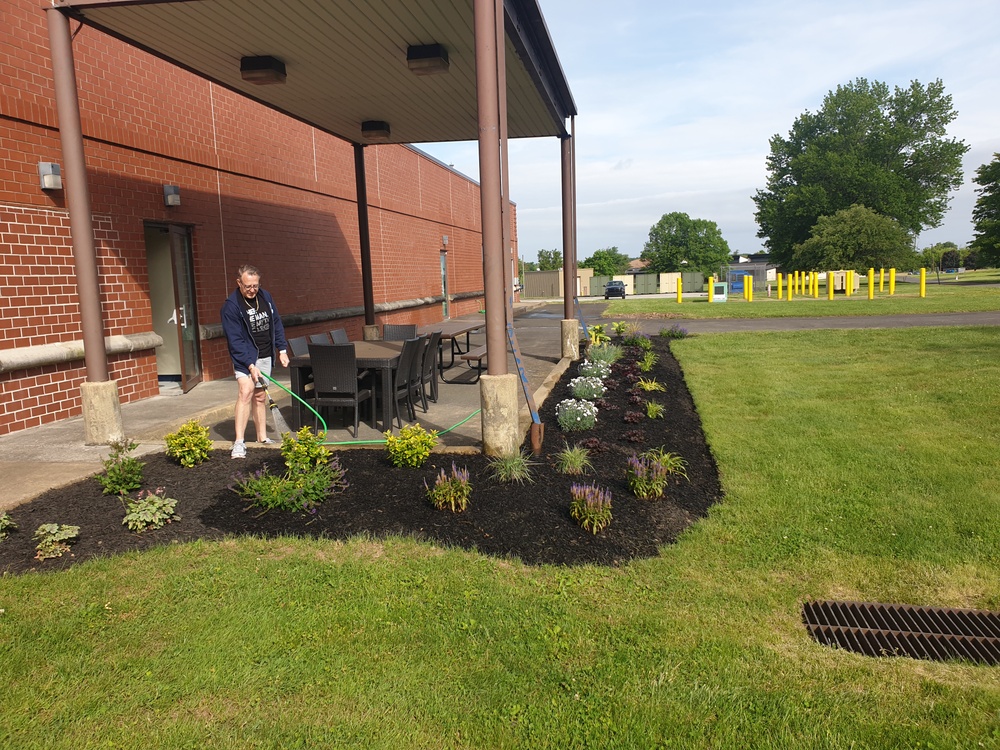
(677,102)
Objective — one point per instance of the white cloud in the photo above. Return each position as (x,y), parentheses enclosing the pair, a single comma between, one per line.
(677,104)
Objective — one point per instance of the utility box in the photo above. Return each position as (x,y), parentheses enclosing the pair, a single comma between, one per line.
(719,289)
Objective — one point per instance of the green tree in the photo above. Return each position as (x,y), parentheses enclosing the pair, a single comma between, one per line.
(933,257)
(607,262)
(679,243)
(887,151)
(549,260)
(855,238)
(986,215)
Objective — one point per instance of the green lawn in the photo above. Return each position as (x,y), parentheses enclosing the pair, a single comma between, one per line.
(947,296)
(857,465)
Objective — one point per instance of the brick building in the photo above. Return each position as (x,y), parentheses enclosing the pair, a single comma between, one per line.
(255,186)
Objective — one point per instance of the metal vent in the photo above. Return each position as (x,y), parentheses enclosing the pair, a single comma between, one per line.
(935,633)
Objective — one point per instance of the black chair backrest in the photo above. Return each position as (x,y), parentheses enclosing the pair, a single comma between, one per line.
(335,368)
(398,332)
(416,367)
(430,355)
(319,338)
(339,336)
(298,346)
(410,352)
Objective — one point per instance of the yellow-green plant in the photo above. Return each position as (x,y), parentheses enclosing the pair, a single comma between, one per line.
(412,447)
(654,410)
(190,445)
(650,384)
(648,361)
(512,467)
(7,525)
(598,334)
(573,460)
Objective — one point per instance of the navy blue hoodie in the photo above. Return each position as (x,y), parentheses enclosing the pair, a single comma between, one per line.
(242,349)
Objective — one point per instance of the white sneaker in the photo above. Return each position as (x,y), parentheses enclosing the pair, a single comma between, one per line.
(266,441)
(239,450)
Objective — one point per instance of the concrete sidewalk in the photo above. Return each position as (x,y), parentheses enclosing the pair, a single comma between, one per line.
(53,455)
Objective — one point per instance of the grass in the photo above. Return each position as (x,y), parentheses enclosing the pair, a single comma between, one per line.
(949,296)
(858,465)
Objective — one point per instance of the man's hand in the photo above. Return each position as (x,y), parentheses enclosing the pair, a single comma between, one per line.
(283,358)
(254,373)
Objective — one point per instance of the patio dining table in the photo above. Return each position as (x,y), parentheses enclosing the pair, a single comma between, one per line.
(451,331)
(380,356)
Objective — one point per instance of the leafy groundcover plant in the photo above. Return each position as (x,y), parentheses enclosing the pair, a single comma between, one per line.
(576,414)
(152,510)
(53,539)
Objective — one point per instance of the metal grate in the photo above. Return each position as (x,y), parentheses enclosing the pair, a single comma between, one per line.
(936,633)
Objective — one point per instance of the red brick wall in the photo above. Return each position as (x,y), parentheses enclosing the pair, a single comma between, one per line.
(256,187)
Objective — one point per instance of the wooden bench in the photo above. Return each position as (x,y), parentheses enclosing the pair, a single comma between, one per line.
(477,355)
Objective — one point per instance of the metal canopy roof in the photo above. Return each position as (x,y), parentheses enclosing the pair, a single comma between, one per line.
(346,59)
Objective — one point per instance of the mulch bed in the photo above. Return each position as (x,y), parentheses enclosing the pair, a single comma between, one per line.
(530,522)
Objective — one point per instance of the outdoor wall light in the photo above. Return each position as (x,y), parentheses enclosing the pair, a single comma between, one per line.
(171,195)
(262,70)
(427,59)
(375,130)
(49,175)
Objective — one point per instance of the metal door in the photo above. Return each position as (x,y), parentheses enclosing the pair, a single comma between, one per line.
(185,307)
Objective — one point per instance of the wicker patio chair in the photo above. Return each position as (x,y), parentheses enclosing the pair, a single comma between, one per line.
(428,369)
(398,332)
(336,382)
(339,336)
(402,386)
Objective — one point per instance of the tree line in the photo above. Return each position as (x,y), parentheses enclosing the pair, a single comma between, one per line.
(851,186)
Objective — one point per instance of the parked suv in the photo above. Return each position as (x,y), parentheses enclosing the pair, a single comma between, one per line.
(614,289)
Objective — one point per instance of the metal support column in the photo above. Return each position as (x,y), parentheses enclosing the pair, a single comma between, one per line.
(364,233)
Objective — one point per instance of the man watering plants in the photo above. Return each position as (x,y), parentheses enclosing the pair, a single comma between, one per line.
(254,332)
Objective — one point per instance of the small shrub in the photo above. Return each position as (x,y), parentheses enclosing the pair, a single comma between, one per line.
(640,341)
(574,461)
(594,445)
(648,361)
(53,540)
(586,388)
(598,336)
(412,447)
(632,417)
(311,475)
(152,510)
(7,525)
(654,410)
(574,414)
(650,384)
(122,472)
(632,329)
(513,467)
(590,506)
(649,473)
(609,353)
(595,369)
(674,332)
(635,436)
(190,445)
(619,328)
(451,493)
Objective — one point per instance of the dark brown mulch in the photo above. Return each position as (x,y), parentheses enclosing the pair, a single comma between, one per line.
(529,522)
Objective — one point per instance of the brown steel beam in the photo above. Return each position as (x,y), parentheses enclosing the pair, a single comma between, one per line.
(364,233)
(81,223)
(569,259)
(489,115)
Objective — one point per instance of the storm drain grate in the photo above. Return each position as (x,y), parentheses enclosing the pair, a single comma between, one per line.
(936,633)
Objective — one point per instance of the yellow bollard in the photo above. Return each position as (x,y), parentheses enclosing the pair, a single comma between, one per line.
(829,285)
(923,283)
(871,283)
(815,284)
(711,289)
(680,289)
(791,287)
(849,283)
(748,285)
(881,280)
(779,286)
(892,281)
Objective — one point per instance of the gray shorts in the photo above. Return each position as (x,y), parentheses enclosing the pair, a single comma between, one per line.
(264,365)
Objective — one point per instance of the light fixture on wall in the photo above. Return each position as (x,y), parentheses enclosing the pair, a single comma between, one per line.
(375,131)
(171,195)
(49,175)
(427,59)
(262,70)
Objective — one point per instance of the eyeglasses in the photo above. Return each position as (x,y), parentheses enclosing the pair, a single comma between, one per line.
(250,287)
